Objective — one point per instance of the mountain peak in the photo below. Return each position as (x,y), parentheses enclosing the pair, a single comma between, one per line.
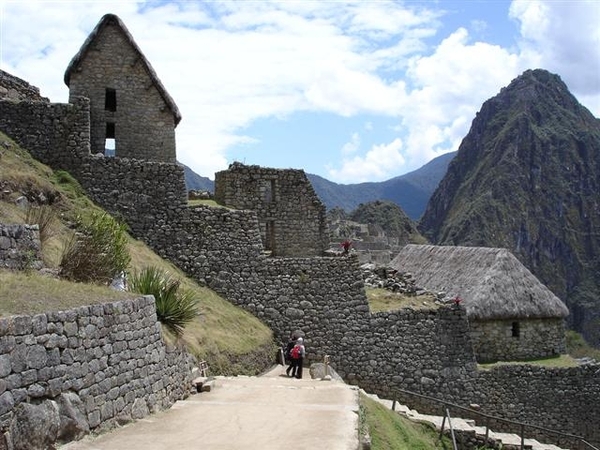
(527,178)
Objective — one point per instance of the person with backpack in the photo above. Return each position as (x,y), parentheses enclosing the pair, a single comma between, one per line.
(288,349)
(297,357)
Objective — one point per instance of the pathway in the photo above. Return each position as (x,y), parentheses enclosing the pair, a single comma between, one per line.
(271,412)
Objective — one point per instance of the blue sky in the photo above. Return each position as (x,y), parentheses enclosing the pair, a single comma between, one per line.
(351,91)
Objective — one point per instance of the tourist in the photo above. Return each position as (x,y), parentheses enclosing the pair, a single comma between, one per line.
(299,351)
(291,369)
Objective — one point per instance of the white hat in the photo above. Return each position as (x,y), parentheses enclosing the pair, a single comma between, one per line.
(300,340)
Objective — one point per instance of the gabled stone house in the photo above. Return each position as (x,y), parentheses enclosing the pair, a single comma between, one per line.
(512,315)
(129,106)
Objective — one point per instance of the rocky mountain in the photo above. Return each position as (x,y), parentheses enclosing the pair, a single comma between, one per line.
(195,182)
(527,177)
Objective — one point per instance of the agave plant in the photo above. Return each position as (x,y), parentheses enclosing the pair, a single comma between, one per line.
(175,306)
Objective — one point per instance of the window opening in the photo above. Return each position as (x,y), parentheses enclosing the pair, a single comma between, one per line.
(269,191)
(110,144)
(516,329)
(110,100)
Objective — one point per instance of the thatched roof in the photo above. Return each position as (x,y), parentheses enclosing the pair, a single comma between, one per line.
(111,19)
(492,282)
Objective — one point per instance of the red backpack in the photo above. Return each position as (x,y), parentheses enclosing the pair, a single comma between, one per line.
(295,353)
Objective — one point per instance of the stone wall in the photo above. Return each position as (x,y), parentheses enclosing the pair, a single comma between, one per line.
(509,340)
(143,193)
(291,216)
(56,134)
(561,399)
(20,247)
(15,89)
(85,369)
(558,399)
(115,64)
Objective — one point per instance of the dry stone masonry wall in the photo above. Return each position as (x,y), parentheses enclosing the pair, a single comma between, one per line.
(16,89)
(292,218)
(20,247)
(506,340)
(85,369)
(56,134)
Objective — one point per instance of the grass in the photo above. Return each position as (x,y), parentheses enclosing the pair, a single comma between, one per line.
(212,203)
(384,300)
(391,431)
(32,293)
(231,340)
(579,348)
(552,361)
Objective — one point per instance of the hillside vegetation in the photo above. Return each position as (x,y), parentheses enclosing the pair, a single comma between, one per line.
(231,340)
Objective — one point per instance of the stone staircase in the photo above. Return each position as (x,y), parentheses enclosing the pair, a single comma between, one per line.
(468,429)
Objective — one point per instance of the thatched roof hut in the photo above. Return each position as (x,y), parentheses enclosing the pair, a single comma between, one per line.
(112,19)
(492,282)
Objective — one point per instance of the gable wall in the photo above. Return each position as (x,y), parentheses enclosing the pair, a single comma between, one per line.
(493,340)
(144,125)
(284,201)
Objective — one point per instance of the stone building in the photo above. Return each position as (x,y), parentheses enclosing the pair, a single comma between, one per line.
(130,109)
(291,217)
(512,315)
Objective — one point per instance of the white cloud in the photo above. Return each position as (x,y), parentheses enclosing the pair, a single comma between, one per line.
(352,146)
(449,87)
(375,164)
(564,38)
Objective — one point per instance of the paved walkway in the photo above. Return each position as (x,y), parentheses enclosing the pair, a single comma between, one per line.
(272,412)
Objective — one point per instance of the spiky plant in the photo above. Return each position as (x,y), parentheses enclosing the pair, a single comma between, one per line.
(175,306)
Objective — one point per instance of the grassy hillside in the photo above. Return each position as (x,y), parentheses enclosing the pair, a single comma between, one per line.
(391,431)
(231,340)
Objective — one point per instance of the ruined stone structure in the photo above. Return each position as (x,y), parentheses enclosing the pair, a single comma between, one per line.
(429,351)
(15,89)
(128,103)
(291,217)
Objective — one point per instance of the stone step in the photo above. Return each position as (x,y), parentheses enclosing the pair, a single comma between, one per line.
(508,440)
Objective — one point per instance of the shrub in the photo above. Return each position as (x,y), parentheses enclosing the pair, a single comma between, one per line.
(175,306)
(45,218)
(97,252)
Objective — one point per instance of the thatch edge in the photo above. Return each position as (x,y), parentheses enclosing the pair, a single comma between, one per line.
(484,278)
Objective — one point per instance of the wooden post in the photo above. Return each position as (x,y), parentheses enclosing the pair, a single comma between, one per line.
(522,436)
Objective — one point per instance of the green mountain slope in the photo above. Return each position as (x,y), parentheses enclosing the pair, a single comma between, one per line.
(527,178)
